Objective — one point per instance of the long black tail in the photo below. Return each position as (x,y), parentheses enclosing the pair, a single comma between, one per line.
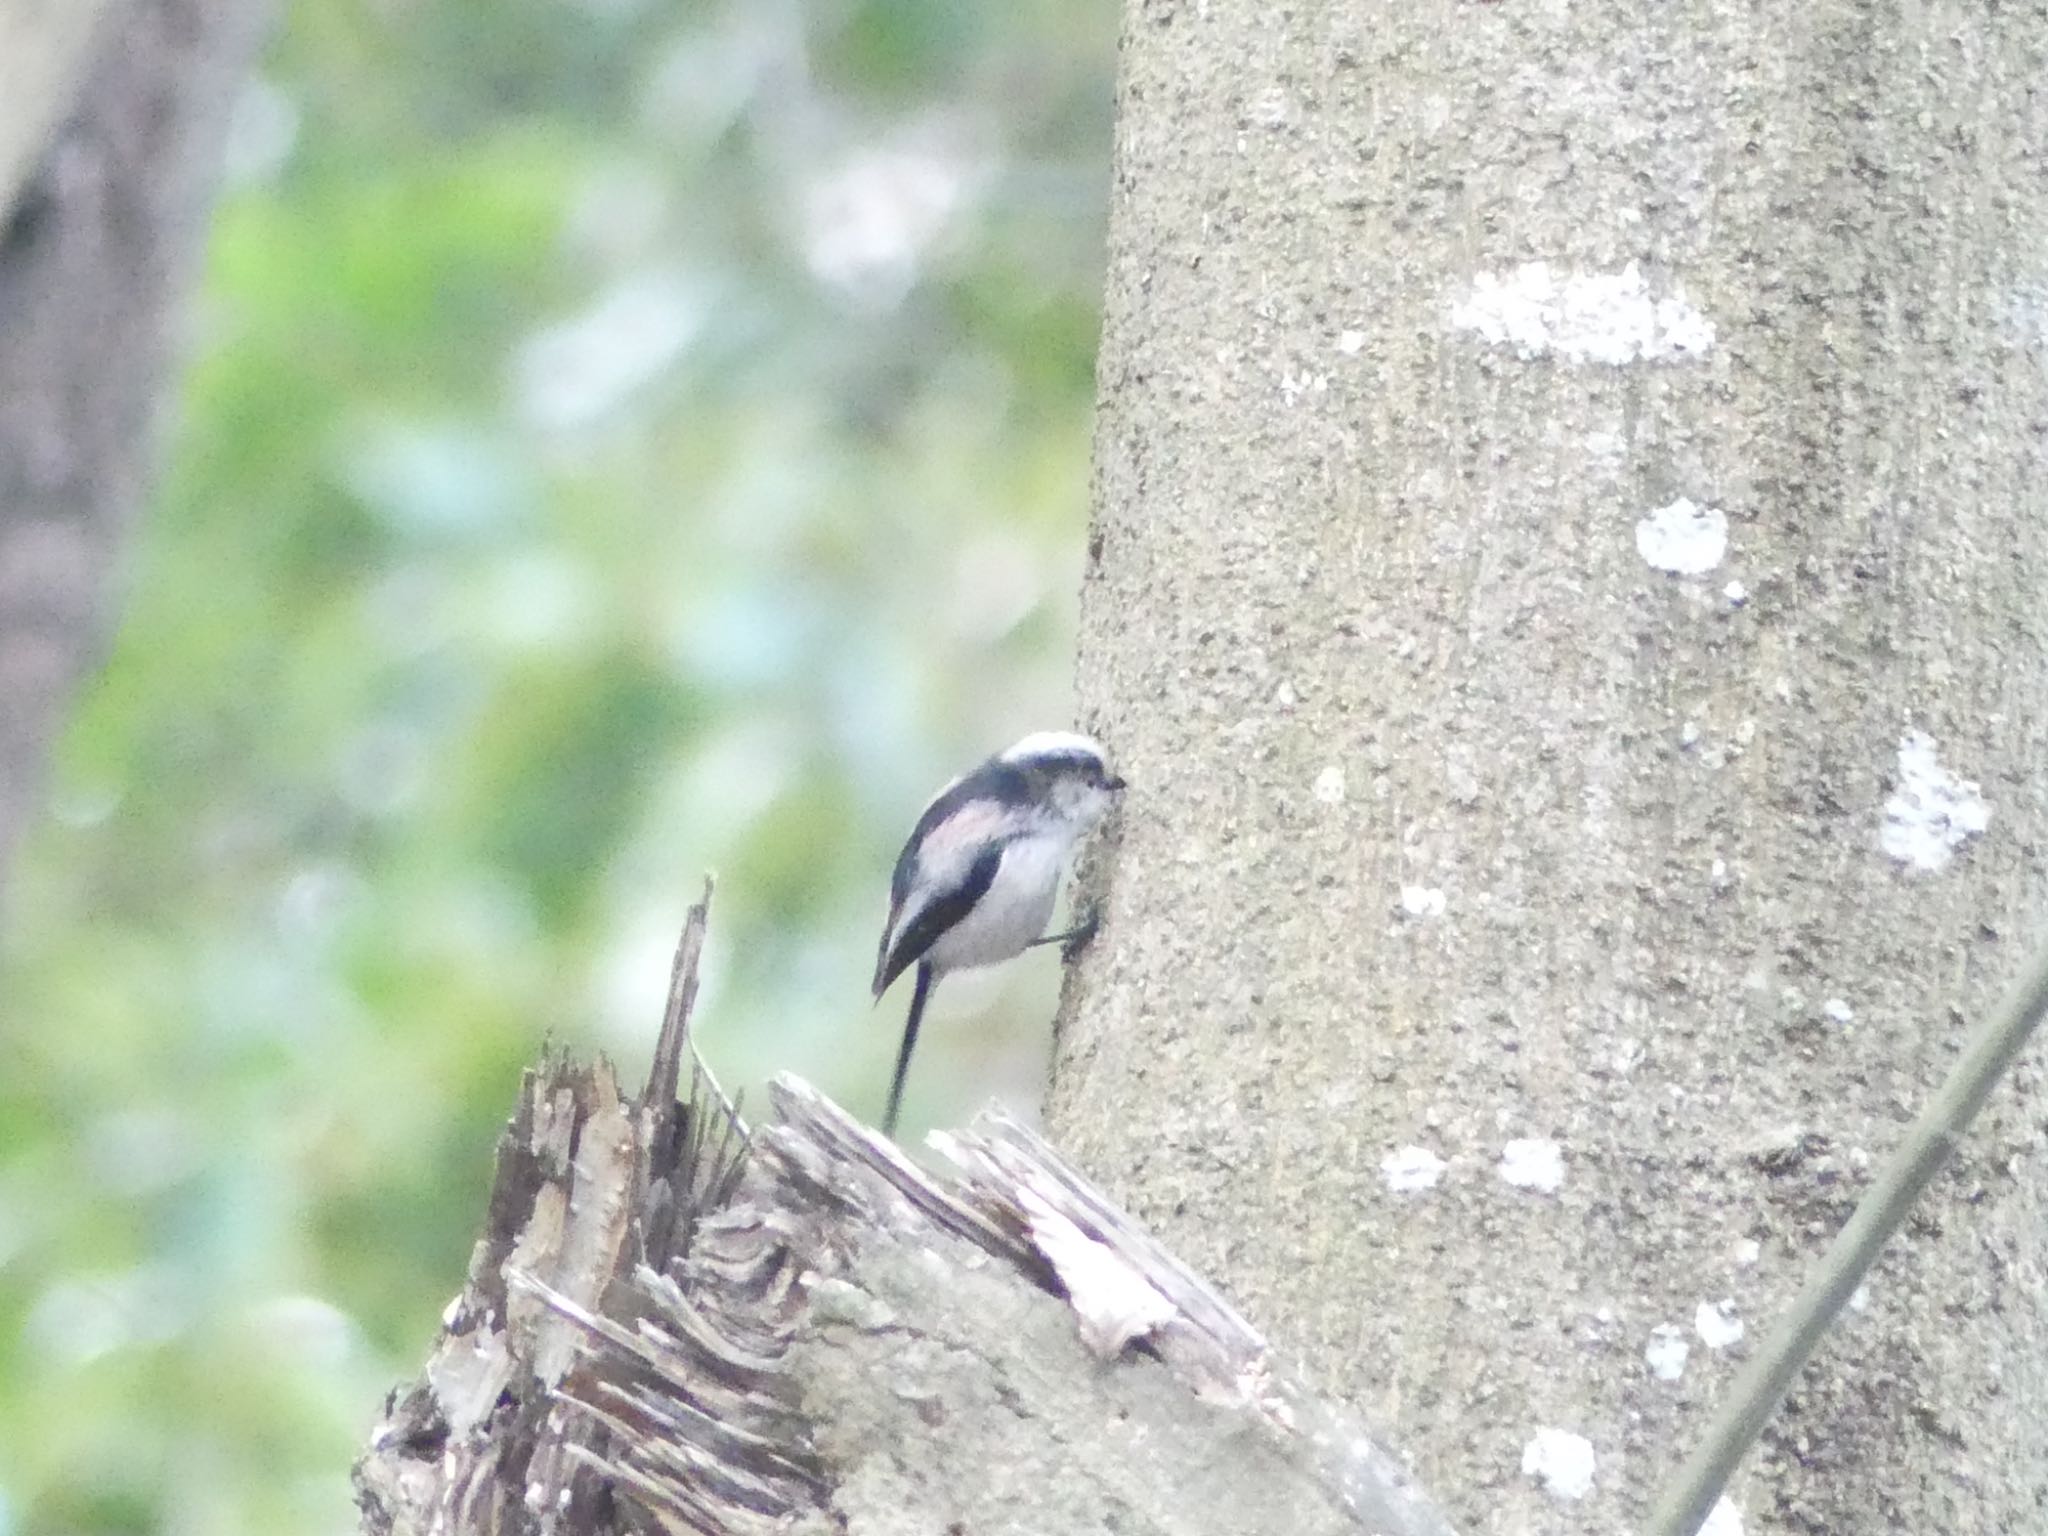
(917,999)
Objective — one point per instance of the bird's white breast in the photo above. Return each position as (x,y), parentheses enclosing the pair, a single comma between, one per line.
(1013,911)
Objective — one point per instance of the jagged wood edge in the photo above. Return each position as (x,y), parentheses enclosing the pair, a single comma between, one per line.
(616,1363)
(588,1186)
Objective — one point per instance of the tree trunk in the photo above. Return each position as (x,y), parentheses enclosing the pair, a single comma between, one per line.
(43,51)
(112,118)
(1566,592)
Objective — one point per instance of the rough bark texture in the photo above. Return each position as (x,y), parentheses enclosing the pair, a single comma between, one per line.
(675,1323)
(112,118)
(1459,817)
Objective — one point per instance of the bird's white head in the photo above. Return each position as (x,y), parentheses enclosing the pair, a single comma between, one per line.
(1069,775)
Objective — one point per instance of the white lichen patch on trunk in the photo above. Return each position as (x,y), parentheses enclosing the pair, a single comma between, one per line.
(1533,1162)
(1561,1461)
(1932,813)
(1683,538)
(1724,1519)
(1412,1169)
(1717,1323)
(1666,1352)
(1582,317)
(1422,901)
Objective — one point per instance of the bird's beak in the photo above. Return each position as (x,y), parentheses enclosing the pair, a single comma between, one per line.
(1112,784)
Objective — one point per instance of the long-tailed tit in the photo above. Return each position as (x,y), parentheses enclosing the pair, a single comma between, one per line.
(976,882)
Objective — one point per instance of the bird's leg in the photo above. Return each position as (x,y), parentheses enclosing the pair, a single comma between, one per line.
(1076,938)
(918,995)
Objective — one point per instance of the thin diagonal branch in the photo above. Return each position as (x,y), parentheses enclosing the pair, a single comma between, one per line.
(1930,1143)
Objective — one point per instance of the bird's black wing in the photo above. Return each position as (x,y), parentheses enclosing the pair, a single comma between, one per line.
(994,781)
(925,929)
(995,784)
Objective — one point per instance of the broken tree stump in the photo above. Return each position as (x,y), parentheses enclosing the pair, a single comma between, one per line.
(675,1322)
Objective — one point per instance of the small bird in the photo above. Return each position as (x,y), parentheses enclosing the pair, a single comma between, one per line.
(976,882)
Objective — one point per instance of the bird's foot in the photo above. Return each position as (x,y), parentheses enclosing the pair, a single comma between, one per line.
(1076,938)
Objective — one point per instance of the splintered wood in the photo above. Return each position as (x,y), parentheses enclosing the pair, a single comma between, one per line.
(676,1323)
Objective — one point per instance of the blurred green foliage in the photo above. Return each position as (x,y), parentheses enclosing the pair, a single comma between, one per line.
(622,441)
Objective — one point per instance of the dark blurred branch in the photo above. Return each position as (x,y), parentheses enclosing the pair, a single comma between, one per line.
(112,148)
(44,48)
(674,1324)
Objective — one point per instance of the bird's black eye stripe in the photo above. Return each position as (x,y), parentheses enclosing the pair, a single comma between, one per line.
(1085,764)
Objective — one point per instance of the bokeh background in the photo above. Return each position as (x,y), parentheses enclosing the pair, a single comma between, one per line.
(623,440)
